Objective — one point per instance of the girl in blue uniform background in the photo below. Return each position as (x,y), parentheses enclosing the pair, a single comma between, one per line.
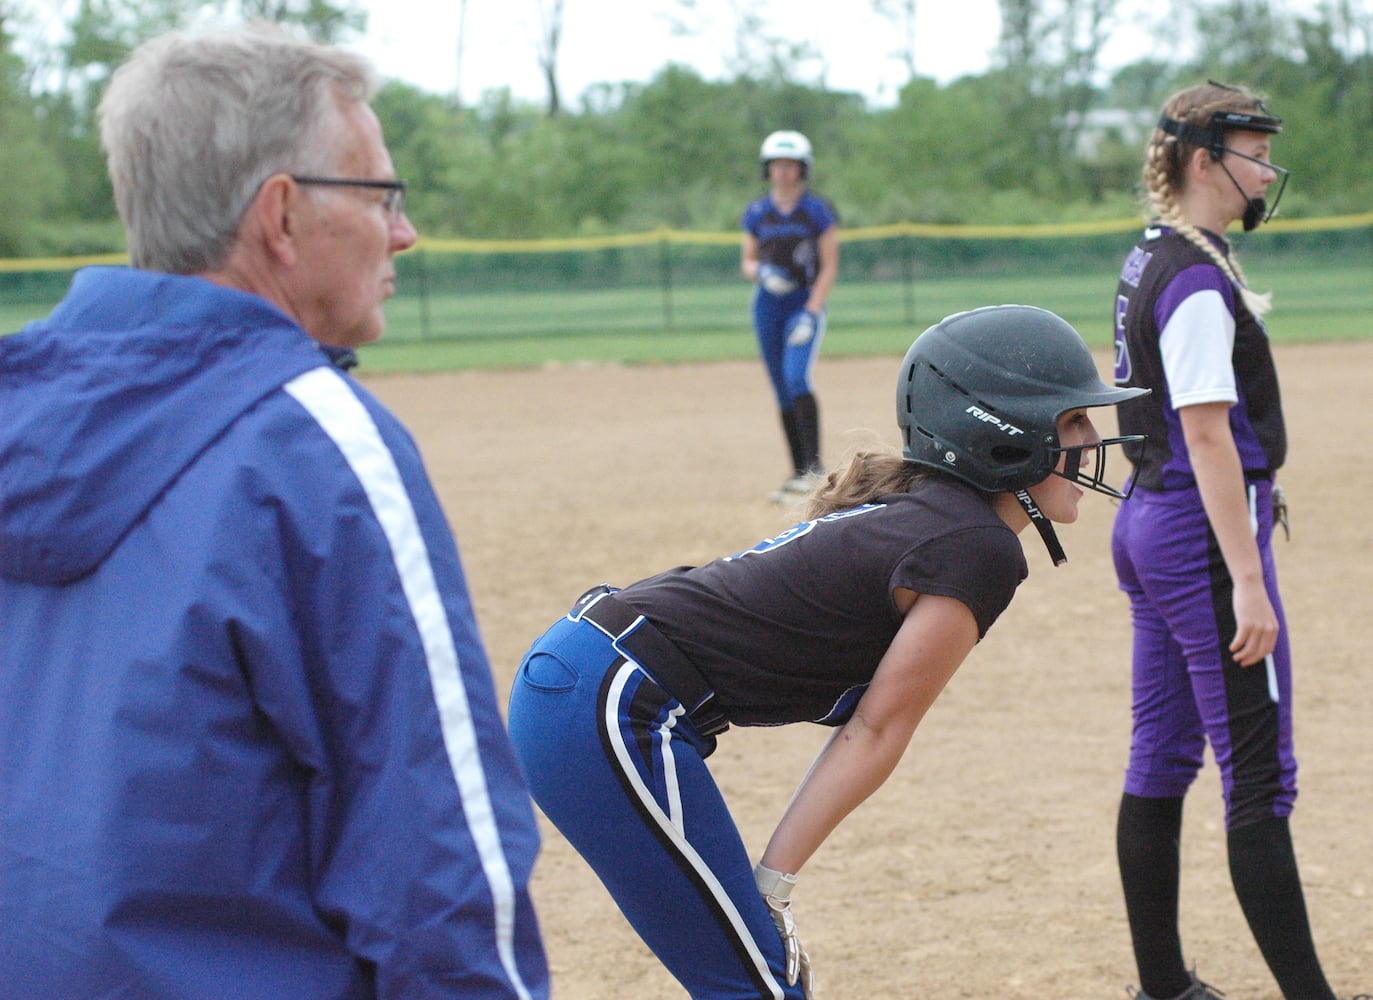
(791,250)
(1192,545)
(855,619)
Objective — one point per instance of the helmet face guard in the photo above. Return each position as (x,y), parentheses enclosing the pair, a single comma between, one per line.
(1211,137)
(1095,478)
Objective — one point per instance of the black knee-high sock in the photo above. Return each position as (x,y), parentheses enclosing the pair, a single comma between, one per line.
(1263,868)
(791,427)
(1148,833)
(808,431)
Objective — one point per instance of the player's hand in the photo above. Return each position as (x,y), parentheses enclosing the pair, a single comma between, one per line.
(776,889)
(775,279)
(1256,624)
(801,328)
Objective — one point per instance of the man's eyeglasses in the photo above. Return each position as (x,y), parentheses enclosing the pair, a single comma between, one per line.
(393,200)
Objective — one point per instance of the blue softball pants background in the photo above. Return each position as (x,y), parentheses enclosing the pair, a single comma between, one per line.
(616,765)
(789,368)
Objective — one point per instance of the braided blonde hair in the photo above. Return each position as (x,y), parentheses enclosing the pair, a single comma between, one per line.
(1165,162)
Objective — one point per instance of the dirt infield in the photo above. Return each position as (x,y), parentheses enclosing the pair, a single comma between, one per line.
(985,867)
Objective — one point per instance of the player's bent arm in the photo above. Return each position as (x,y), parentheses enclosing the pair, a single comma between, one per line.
(827,271)
(748,257)
(935,637)
(1220,480)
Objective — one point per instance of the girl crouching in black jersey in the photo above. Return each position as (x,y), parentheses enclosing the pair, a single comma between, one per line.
(855,618)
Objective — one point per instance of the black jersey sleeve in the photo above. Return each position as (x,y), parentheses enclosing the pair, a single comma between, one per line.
(981,566)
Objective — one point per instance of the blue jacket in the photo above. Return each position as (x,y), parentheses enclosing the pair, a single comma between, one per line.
(249,742)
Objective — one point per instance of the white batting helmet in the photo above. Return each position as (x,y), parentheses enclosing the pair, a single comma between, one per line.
(785,145)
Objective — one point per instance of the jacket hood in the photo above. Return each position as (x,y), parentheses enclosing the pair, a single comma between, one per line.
(106,402)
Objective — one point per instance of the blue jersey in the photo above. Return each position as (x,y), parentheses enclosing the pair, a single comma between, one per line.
(789,240)
(249,743)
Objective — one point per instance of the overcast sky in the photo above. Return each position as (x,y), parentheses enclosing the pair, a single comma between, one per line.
(611,41)
(618,40)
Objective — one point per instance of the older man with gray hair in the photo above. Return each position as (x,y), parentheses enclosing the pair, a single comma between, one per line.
(249,742)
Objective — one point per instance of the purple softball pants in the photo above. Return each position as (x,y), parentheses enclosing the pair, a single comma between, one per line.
(1187,689)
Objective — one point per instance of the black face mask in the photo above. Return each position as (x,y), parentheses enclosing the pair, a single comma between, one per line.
(1255,209)
(1211,137)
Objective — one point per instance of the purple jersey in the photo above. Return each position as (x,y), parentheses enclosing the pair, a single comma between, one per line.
(1181,331)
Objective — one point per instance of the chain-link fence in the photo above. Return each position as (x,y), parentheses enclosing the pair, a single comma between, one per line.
(900,275)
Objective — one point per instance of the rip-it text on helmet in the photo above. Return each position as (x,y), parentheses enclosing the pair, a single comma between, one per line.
(992,418)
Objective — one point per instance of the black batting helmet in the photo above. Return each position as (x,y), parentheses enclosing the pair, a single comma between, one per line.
(980,394)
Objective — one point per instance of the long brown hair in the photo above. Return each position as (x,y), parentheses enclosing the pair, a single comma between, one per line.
(1165,168)
(868,475)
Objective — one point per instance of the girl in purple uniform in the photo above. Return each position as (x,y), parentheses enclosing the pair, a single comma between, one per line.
(853,619)
(1192,544)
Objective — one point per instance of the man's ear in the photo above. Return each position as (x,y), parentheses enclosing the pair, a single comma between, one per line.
(274,214)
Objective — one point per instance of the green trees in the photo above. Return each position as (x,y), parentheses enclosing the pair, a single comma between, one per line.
(30,179)
(54,194)
(1009,146)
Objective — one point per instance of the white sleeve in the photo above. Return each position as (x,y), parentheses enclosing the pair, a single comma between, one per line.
(1197,344)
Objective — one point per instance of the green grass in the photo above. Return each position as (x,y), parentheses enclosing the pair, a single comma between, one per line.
(1319,300)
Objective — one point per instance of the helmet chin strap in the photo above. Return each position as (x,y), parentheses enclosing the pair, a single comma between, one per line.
(1043,525)
(1255,209)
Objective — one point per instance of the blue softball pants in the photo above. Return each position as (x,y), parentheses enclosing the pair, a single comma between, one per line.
(616,765)
(1187,688)
(789,368)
